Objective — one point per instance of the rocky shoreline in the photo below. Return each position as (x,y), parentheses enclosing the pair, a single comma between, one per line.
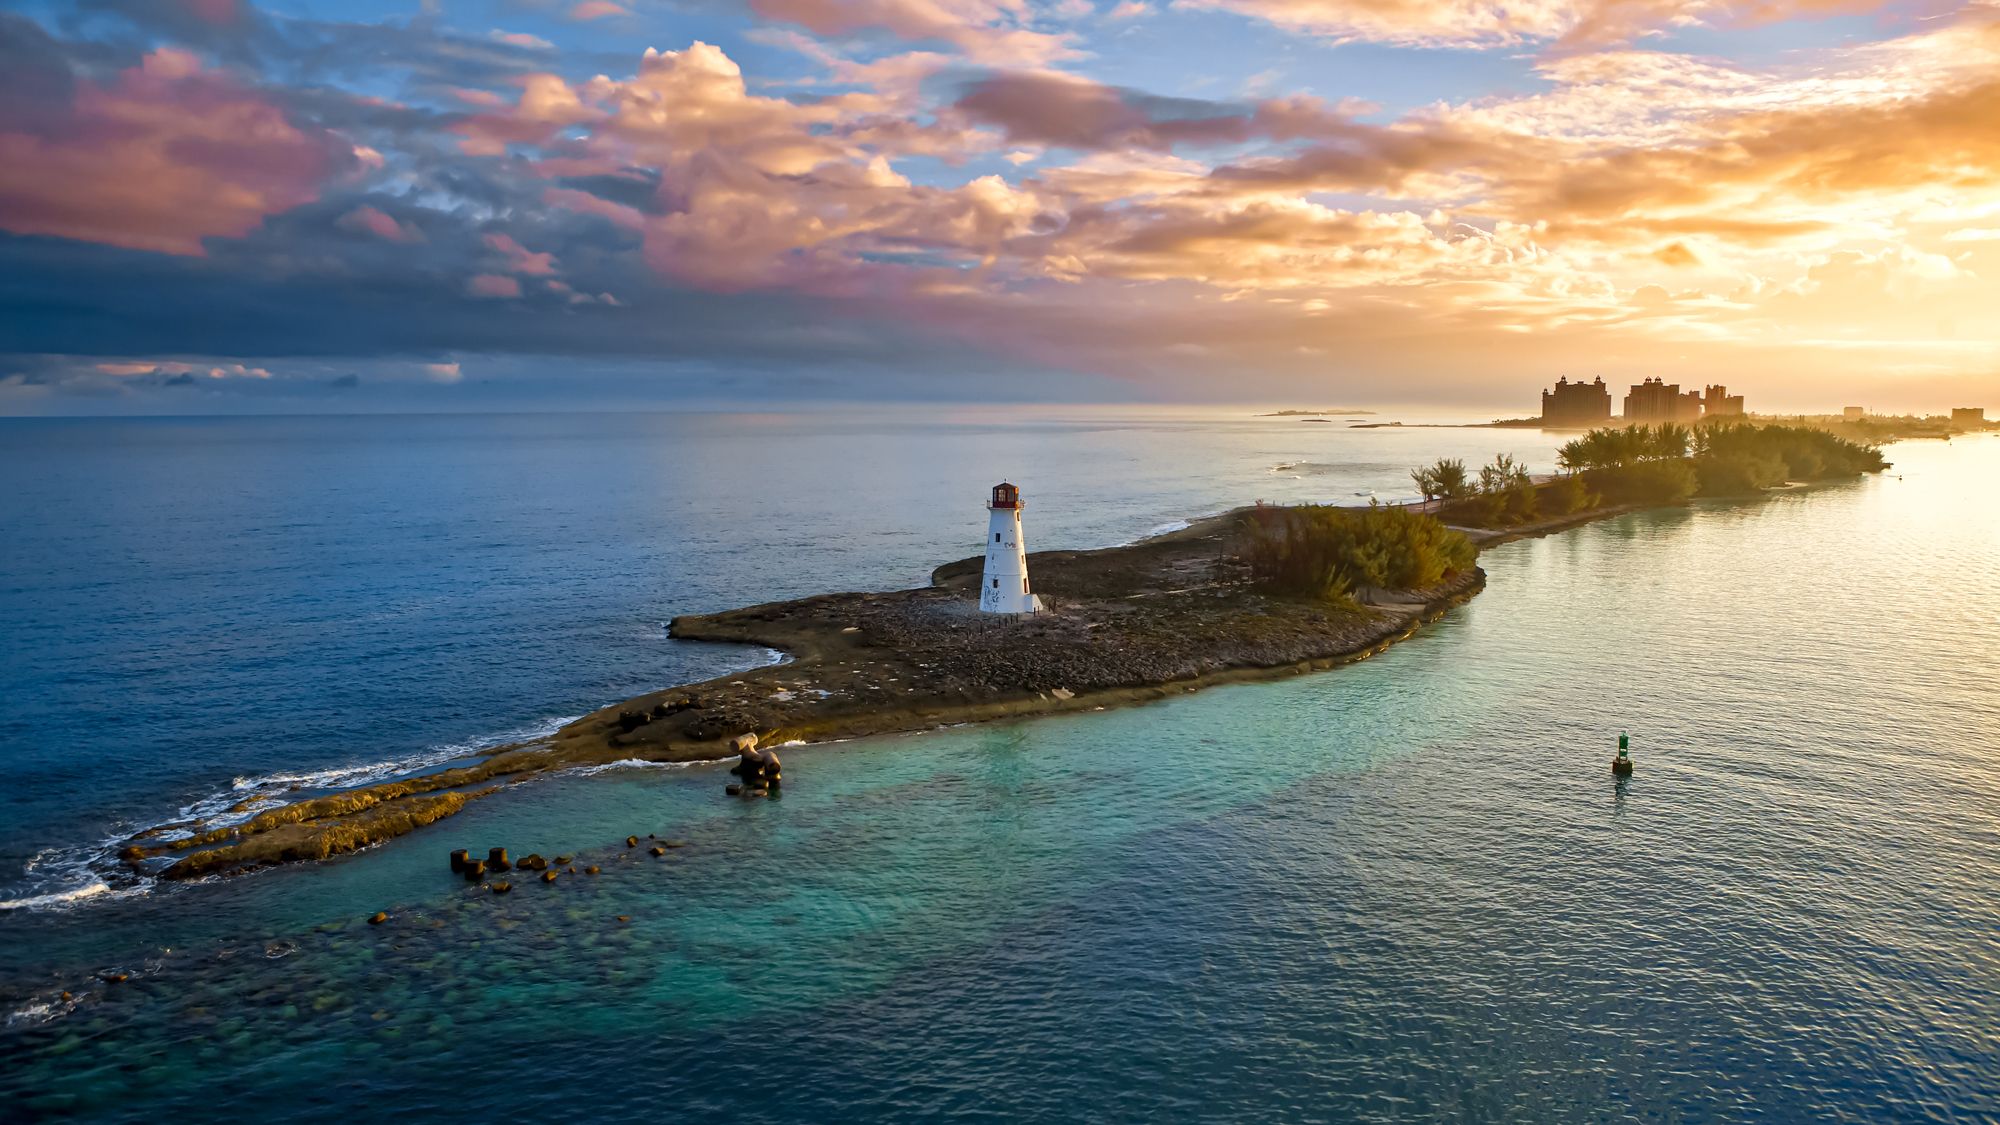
(1163,616)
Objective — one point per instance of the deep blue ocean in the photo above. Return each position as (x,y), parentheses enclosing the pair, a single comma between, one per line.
(1407,889)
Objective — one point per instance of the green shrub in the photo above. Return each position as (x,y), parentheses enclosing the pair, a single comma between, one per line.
(1568,494)
(1321,552)
(1645,482)
(1737,474)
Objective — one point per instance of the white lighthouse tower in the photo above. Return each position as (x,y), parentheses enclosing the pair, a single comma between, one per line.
(1004,586)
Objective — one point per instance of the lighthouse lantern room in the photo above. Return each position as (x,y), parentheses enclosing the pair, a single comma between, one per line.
(1003,588)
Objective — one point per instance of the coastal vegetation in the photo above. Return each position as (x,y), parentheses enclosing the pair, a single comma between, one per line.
(1636,466)
(1324,553)
(1668,463)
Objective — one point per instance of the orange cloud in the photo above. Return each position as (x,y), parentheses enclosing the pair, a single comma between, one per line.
(169,154)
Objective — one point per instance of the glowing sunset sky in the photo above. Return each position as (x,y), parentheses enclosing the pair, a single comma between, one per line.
(315,204)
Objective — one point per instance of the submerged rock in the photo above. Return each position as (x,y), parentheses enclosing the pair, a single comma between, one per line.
(378,918)
(591,870)
(564,860)
(548,876)
(657,851)
(501,888)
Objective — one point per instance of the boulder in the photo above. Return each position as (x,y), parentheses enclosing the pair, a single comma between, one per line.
(548,876)
(591,870)
(502,888)
(658,851)
(631,841)
(496,860)
(629,721)
(377,918)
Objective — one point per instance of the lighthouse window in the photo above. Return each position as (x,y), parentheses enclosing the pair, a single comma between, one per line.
(1024,585)
(996,537)
(996,583)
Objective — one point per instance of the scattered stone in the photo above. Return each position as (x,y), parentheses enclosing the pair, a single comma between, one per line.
(571,870)
(110,977)
(548,876)
(564,860)
(591,870)
(496,860)
(459,858)
(658,851)
(502,888)
(378,918)
(732,789)
(631,841)
(624,917)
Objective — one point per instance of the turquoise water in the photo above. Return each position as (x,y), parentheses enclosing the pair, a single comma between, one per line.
(1403,889)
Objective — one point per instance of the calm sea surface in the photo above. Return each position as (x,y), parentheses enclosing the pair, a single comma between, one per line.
(1405,889)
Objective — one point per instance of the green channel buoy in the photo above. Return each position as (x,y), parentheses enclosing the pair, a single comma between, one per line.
(1622,764)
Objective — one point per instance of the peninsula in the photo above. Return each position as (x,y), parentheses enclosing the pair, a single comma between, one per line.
(1166,615)
(1255,593)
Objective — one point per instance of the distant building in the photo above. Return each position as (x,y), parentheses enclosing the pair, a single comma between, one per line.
(1576,405)
(1717,402)
(1654,401)
(1973,416)
(1853,413)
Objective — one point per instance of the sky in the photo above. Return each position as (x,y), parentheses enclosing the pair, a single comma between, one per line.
(331,205)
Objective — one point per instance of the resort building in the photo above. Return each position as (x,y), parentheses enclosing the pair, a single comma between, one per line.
(1577,405)
(1717,402)
(1654,401)
(1003,587)
(1973,417)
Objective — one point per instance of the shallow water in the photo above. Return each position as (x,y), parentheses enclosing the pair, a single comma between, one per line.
(1407,888)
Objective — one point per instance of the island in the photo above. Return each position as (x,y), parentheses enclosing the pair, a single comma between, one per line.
(1255,593)
(1310,415)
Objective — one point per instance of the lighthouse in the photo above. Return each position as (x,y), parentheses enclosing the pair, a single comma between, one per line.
(1003,588)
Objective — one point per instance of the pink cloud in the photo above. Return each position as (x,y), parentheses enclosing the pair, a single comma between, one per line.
(493,285)
(167,155)
(597,10)
(368,220)
(520,259)
(630,218)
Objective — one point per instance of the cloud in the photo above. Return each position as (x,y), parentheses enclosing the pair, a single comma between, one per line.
(443,372)
(519,259)
(164,156)
(597,10)
(1503,23)
(493,285)
(990,32)
(368,220)
(521,39)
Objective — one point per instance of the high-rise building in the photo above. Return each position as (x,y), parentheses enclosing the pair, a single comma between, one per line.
(1972,416)
(1717,402)
(1655,401)
(1577,405)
